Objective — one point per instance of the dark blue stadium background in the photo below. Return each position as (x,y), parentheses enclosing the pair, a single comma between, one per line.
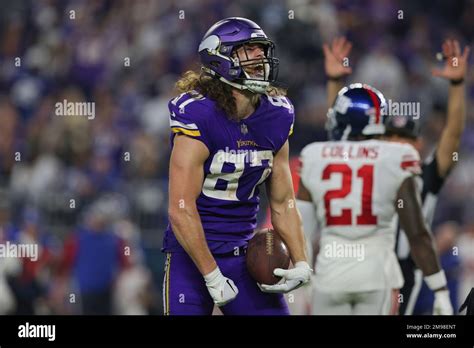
(125,57)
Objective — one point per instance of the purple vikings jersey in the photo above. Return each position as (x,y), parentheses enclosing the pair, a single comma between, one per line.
(240,159)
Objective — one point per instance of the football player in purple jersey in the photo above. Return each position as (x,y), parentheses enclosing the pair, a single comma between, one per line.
(229,134)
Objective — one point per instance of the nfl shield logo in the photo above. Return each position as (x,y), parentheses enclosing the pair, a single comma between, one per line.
(244,129)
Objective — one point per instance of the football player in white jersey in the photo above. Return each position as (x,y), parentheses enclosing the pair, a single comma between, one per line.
(405,129)
(353,186)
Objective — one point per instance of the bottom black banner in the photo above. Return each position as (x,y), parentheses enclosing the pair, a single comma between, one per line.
(293,330)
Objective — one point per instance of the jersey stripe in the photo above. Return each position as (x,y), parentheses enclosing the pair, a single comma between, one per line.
(375,100)
(166,285)
(412,166)
(174,123)
(193,133)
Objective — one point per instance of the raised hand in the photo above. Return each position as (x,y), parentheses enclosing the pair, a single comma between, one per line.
(455,66)
(336,56)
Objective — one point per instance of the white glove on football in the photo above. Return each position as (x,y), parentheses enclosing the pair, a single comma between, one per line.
(221,289)
(292,278)
(442,303)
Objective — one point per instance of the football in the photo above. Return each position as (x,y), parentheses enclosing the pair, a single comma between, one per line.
(266,251)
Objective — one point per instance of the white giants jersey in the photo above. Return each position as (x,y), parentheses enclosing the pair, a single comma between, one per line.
(354,187)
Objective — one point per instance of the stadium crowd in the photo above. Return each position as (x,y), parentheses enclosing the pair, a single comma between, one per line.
(93,192)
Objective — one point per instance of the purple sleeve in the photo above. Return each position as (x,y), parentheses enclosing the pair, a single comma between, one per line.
(188,117)
(286,119)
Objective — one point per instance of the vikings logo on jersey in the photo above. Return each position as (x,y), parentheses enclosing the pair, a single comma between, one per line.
(241,158)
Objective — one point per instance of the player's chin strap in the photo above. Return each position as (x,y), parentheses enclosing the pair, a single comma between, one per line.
(259,87)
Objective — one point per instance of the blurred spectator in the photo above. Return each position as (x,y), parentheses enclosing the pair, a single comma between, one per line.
(9,268)
(447,242)
(95,255)
(133,294)
(30,285)
(381,68)
(125,56)
(466,254)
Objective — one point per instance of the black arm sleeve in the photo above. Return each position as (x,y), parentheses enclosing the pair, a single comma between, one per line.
(432,181)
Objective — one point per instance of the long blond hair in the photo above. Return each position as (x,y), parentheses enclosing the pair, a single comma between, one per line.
(218,91)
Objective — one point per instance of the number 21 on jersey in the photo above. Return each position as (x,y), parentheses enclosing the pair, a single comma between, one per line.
(366,174)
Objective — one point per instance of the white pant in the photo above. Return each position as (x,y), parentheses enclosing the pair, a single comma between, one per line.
(377,302)
(300,300)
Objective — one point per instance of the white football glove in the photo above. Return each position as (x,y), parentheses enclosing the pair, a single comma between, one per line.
(442,303)
(221,289)
(292,278)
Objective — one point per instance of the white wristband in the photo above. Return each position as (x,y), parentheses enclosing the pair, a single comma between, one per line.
(436,281)
(210,277)
(302,264)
